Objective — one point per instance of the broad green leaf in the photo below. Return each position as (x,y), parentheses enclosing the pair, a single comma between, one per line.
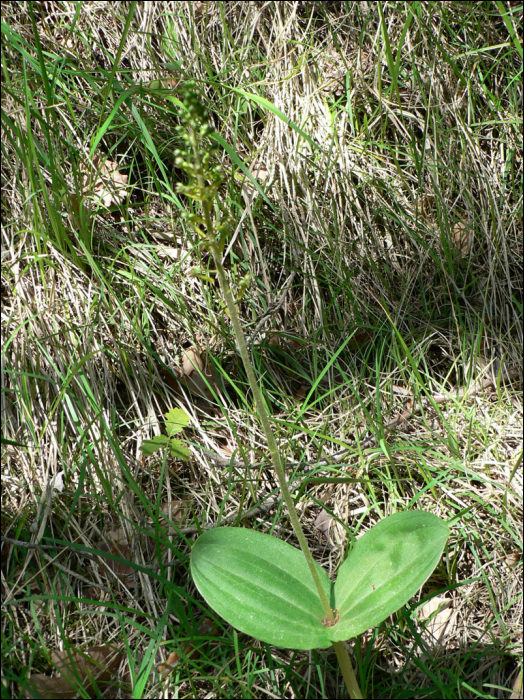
(176,420)
(149,447)
(179,449)
(385,568)
(262,586)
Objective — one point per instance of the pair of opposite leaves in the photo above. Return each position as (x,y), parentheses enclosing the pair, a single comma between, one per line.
(262,585)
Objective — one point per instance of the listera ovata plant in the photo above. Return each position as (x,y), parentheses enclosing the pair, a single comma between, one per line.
(261,585)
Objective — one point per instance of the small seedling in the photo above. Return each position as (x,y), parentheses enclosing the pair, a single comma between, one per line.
(176,421)
(265,587)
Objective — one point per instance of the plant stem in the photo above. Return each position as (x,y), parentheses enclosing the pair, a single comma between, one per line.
(262,413)
(347,670)
(207,205)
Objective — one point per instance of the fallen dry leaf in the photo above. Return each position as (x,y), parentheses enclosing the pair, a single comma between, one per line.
(278,340)
(513,559)
(103,183)
(118,544)
(359,340)
(179,512)
(96,667)
(516,690)
(41,686)
(300,393)
(438,612)
(323,523)
(194,365)
(205,629)
(191,361)
(462,238)
(260,173)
